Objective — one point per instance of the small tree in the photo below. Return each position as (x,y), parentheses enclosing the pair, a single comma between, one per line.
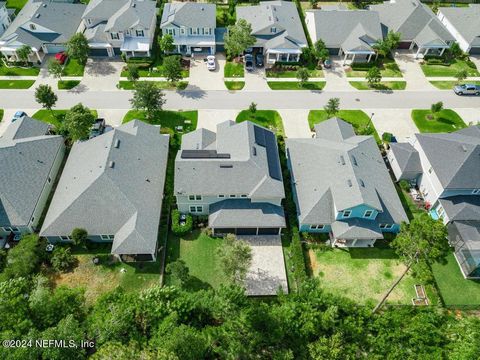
(172,68)
(321,51)
(302,75)
(62,259)
(23,259)
(238,38)
(252,108)
(454,52)
(333,107)
(165,42)
(149,98)
(179,272)
(133,73)
(78,122)
(55,69)
(385,46)
(45,96)
(461,75)
(23,53)
(235,258)
(436,108)
(77,48)
(79,236)
(374,76)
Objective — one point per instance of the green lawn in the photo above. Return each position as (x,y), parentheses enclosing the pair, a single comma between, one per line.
(18,71)
(16,84)
(16,4)
(1,115)
(296,85)
(273,72)
(73,68)
(446,121)
(67,84)
(232,70)
(164,85)
(363,274)
(234,85)
(411,209)
(269,119)
(198,251)
(449,85)
(357,118)
(454,288)
(384,85)
(54,117)
(154,71)
(436,70)
(168,119)
(388,68)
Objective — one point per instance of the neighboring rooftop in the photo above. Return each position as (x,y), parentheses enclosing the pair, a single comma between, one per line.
(466,21)
(189,14)
(113,185)
(27,155)
(407,158)
(461,208)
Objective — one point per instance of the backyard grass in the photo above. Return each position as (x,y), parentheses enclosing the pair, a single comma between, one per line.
(167,119)
(233,70)
(296,85)
(164,85)
(269,119)
(410,207)
(272,72)
(454,288)
(234,85)
(54,117)
(357,118)
(197,249)
(363,274)
(384,85)
(16,4)
(447,120)
(16,84)
(436,70)
(388,68)
(108,275)
(1,115)
(449,85)
(67,84)
(18,71)
(73,68)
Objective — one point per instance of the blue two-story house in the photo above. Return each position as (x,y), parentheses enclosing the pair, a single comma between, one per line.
(341,186)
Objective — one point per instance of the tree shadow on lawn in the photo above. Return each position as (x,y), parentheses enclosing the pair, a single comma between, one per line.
(195,284)
(372,253)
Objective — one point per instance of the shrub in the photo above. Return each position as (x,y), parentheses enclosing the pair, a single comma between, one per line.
(79,236)
(387,137)
(179,229)
(62,259)
(404,185)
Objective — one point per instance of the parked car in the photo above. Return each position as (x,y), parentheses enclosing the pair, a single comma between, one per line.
(61,57)
(327,64)
(249,62)
(211,64)
(98,128)
(19,115)
(467,89)
(259,60)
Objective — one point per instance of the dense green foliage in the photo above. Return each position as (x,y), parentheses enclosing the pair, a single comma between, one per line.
(179,229)
(77,48)
(77,123)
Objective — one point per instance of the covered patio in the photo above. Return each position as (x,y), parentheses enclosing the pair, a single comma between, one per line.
(354,233)
(428,42)
(282,55)
(136,46)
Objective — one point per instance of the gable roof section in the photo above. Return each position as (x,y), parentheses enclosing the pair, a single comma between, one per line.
(461,170)
(461,207)
(341,172)
(243,159)
(26,159)
(113,185)
(465,20)
(189,14)
(407,157)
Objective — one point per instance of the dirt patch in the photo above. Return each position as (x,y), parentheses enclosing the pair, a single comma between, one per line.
(313,262)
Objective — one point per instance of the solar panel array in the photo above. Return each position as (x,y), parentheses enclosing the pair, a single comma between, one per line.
(267,139)
(203,154)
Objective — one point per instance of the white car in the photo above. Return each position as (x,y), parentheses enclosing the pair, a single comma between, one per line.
(211,63)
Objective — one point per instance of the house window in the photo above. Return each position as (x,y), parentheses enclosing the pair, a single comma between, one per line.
(232,196)
(33,27)
(386,226)
(368,214)
(170,31)
(273,29)
(206,31)
(317,227)
(107,237)
(139,33)
(243,195)
(196,209)
(476,191)
(114,36)
(347,213)
(194,31)
(440,211)
(65,238)
(221,196)
(195,197)
(49,180)
(14,229)
(7,229)
(182,31)
(89,21)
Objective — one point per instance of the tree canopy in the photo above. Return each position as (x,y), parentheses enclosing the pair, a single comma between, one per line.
(239,38)
(77,48)
(45,96)
(149,98)
(78,122)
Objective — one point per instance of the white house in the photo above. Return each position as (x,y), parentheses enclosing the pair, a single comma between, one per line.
(4,17)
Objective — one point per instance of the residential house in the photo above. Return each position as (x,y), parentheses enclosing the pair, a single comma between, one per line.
(356,31)
(342,187)
(463,23)
(45,26)
(277,27)
(112,186)
(30,159)
(418,26)
(115,27)
(233,176)
(449,181)
(192,26)
(5,17)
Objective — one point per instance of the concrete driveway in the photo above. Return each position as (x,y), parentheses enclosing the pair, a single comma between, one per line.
(256,80)
(8,116)
(335,76)
(411,70)
(204,79)
(112,117)
(101,74)
(469,115)
(396,121)
(209,119)
(295,123)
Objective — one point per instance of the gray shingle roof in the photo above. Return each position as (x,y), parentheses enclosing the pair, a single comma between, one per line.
(189,14)
(411,18)
(283,16)
(243,213)
(338,171)
(465,20)
(113,185)
(356,229)
(470,234)
(353,29)
(455,157)
(461,207)
(27,155)
(407,157)
(63,19)
(245,171)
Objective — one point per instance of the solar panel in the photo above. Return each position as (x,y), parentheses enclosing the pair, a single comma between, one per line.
(259,135)
(203,154)
(272,156)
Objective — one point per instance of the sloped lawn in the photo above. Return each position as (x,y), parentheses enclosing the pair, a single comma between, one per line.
(168,120)
(269,119)
(445,121)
